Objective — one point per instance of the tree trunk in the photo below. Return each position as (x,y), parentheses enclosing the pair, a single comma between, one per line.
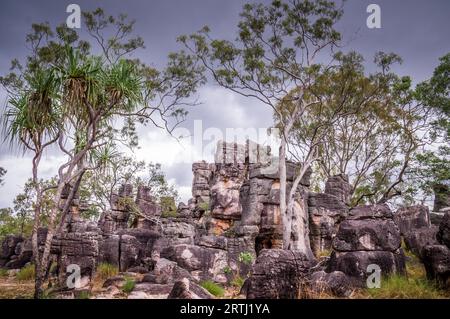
(285,218)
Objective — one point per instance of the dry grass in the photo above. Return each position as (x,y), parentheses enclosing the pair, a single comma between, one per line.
(13,289)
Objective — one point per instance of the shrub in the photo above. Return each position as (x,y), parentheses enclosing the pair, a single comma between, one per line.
(128,286)
(213,288)
(246,258)
(26,273)
(105,270)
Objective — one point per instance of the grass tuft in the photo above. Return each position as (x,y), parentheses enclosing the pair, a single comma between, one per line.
(128,286)
(3,272)
(105,271)
(26,273)
(213,288)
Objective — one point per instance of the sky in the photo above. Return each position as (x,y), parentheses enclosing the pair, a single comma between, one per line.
(416,30)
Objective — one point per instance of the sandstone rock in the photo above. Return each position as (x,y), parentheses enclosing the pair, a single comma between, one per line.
(367,235)
(411,218)
(339,187)
(436,218)
(325,213)
(80,249)
(355,263)
(335,283)
(185,289)
(378,211)
(416,240)
(443,235)
(436,259)
(278,274)
(8,248)
(202,262)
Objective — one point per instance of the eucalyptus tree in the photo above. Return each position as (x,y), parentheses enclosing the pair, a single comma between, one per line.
(374,145)
(90,94)
(276,50)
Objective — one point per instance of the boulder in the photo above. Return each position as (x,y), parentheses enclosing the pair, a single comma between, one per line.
(278,274)
(411,218)
(339,187)
(378,211)
(335,283)
(79,249)
(201,262)
(325,213)
(355,263)
(416,240)
(436,259)
(8,248)
(443,235)
(367,235)
(186,289)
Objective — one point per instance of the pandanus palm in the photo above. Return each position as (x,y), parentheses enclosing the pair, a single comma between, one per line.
(32,120)
(92,93)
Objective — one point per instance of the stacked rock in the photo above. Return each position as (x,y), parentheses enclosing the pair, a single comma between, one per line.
(368,236)
(436,258)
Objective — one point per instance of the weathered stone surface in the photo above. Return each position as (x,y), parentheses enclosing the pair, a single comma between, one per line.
(278,274)
(443,235)
(178,230)
(436,218)
(416,240)
(225,190)
(411,218)
(8,248)
(185,289)
(166,271)
(335,283)
(202,262)
(76,248)
(219,242)
(436,259)
(367,235)
(355,263)
(339,187)
(150,291)
(378,211)
(325,213)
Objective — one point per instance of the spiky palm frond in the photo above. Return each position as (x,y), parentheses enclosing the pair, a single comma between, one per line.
(124,85)
(33,114)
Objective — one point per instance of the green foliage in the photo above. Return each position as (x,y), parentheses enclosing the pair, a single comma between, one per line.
(238,282)
(26,273)
(245,258)
(105,270)
(227,270)
(168,206)
(213,288)
(128,286)
(83,295)
(3,272)
(401,287)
